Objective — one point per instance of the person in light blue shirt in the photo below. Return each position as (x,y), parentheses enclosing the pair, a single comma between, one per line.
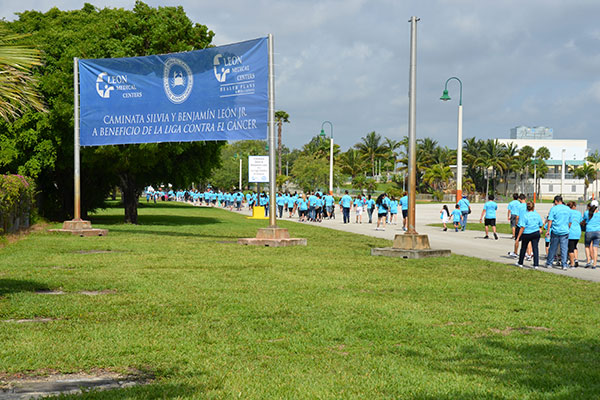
(370,207)
(404,206)
(489,212)
(592,235)
(292,204)
(302,207)
(465,208)
(329,205)
(383,205)
(345,204)
(394,211)
(518,210)
(574,233)
(558,227)
(280,201)
(456,217)
(512,214)
(358,209)
(529,225)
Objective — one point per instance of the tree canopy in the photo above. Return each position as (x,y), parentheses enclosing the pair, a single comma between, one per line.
(41,145)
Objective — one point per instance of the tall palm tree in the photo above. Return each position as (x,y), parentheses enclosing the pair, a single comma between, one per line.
(587,172)
(594,158)
(352,163)
(492,156)
(18,87)
(280,118)
(541,168)
(437,176)
(509,155)
(371,148)
(392,156)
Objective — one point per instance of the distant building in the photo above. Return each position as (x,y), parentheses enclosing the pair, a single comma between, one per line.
(535,133)
(574,152)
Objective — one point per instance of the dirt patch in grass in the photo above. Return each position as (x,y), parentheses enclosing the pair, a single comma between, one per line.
(524,329)
(27,320)
(15,237)
(51,383)
(97,251)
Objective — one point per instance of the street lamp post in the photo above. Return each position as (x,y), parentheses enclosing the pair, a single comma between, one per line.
(330,154)
(459,172)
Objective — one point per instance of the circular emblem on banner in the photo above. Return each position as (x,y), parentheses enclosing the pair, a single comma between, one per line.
(177,80)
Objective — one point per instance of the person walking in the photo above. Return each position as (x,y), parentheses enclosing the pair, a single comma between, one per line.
(465,209)
(575,218)
(518,210)
(512,214)
(456,217)
(345,204)
(370,208)
(489,211)
(382,210)
(404,207)
(530,228)
(358,209)
(592,236)
(558,227)
(444,216)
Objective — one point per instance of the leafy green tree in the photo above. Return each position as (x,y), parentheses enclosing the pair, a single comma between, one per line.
(102,33)
(437,176)
(320,147)
(226,177)
(311,172)
(280,118)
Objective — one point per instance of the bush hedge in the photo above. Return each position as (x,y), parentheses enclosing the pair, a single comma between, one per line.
(16,203)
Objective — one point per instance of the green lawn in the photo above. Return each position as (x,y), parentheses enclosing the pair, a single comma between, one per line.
(211,319)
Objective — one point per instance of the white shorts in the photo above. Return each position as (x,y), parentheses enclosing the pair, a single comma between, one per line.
(359,210)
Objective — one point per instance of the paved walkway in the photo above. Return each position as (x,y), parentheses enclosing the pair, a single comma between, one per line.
(468,243)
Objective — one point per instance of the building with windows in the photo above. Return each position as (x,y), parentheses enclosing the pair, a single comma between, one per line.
(571,153)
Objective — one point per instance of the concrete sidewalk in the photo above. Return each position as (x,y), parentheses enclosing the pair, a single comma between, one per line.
(467,243)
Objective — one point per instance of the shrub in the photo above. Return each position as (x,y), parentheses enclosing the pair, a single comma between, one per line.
(16,202)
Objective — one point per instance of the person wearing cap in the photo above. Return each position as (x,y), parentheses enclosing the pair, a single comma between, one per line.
(465,208)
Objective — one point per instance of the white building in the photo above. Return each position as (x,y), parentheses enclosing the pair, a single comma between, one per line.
(573,152)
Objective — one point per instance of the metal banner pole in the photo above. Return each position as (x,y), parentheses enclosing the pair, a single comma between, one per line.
(77,175)
(412,136)
(271,138)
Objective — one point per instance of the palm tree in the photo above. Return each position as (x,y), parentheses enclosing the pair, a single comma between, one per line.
(586,172)
(492,156)
(392,156)
(280,118)
(371,148)
(351,163)
(18,88)
(594,158)
(510,154)
(437,176)
(541,169)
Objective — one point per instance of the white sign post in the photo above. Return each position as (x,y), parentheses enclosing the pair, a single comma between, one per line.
(258,169)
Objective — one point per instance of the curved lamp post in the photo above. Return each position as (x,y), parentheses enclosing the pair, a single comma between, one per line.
(459,172)
(322,134)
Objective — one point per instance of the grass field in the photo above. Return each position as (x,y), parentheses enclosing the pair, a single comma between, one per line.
(211,319)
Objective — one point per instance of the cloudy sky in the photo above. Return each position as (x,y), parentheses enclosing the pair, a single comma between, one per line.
(534,62)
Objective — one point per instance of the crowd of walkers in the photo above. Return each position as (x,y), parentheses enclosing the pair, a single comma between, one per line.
(307,207)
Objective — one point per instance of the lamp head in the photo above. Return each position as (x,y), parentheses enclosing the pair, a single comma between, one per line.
(322,133)
(445,96)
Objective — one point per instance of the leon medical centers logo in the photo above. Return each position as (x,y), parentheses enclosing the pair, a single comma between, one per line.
(105,84)
(235,77)
(178,80)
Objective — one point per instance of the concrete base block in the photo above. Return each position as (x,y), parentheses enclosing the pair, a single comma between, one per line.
(411,242)
(402,253)
(273,242)
(80,227)
(273,237)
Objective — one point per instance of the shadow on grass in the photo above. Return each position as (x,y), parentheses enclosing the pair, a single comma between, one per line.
(174,233)
(560,368)
(8,286)
(162,220)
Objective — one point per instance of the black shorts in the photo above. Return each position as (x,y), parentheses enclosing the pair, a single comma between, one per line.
(382,215)
(572,245)
(490,222)
(404,213)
